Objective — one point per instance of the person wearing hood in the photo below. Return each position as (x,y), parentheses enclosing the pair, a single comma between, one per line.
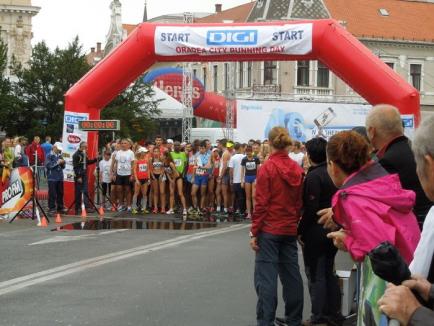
(274,233)
(371,206)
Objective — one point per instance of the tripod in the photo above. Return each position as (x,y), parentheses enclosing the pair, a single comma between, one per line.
(33,199)
(84,194)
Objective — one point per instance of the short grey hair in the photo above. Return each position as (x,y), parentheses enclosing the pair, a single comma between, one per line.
(423,142)
(386,118)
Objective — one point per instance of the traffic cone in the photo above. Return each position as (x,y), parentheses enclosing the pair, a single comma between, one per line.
(101,211)
(83,212)
(58,220)
(43,223)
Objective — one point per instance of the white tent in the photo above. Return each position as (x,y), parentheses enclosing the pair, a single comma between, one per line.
(170,107)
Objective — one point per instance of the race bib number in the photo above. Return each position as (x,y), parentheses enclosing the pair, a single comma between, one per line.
(178,162)
(143,167)
(251,166)
(201,171)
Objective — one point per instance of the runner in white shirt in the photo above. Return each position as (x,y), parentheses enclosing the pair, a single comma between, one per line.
(235,177)
(105,176)
(124,172)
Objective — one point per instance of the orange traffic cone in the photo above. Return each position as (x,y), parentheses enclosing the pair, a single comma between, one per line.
(83,212)
(58,220)
(43,223)
(101,211)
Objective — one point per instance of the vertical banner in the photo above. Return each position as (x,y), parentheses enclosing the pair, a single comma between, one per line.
(72,137)
(17,193)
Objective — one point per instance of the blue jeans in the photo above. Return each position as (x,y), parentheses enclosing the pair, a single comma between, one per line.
(278,256)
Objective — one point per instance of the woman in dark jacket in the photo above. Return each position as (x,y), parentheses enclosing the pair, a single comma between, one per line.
(318,251)
(274,231)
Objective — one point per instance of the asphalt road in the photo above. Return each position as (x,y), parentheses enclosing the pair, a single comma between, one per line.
(127,277)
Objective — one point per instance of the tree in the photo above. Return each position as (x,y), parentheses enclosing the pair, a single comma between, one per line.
(136,110)
(35,103)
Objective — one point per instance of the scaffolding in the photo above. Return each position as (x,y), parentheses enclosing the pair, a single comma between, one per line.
(230,102)
(187,92)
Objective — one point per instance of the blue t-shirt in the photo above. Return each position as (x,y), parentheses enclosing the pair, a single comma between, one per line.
(47,147)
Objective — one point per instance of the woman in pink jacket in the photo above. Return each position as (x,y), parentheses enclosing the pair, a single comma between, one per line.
(370,206)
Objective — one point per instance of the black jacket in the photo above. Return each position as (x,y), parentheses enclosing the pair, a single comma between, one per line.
(78,164)
(398,158)
(317,194)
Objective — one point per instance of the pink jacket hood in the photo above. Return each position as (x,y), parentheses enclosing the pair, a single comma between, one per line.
(372,207)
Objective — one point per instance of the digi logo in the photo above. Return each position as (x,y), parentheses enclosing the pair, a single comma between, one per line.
(232,37)
(73,119)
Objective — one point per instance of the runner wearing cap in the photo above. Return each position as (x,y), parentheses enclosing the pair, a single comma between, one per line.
(224,178)
(141,177)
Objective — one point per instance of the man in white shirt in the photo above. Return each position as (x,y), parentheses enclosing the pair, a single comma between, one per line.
(296,154)
(235,177)
(123,165)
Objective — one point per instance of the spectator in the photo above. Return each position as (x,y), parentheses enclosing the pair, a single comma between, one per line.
(274,230)
(370,205)
(296,154)
(55,164)
(319,251)
(20,158)
(398,301)
(169,145)
(46,147)
(8,159)
(35,147)
(385,131)
(80,163)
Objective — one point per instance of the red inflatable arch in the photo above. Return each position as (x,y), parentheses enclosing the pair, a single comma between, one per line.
(323,40)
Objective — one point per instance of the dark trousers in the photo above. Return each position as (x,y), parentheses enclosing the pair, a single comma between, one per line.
(240,197)
(55,195)
(278,256)
(323,287)
(81,188)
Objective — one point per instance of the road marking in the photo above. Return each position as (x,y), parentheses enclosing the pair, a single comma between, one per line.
(67,238)
(57,272)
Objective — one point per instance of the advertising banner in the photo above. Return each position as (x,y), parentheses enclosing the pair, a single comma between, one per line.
(256,118)
(291,39)
(72,137)
(17,193)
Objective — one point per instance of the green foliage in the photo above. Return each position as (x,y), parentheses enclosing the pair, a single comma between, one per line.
(33,104)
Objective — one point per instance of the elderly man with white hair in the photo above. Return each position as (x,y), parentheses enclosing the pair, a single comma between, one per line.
(393,150)
(399,302)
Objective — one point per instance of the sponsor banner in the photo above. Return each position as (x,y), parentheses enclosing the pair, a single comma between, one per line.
(256,118)
(72,137)
(291,39)
(17,193)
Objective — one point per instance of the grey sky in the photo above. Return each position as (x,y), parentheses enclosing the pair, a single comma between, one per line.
(60,20)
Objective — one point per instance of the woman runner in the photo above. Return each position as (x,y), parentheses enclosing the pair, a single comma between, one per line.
(214,187)
(249,170)
(141,177)
(158,181)
(175,181)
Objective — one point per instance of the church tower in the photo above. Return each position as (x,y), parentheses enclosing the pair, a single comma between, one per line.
(116,32)
(16,28)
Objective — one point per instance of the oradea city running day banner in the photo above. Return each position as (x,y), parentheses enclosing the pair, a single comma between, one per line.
(17,193)
(71,139)
(293,39)
(256,118)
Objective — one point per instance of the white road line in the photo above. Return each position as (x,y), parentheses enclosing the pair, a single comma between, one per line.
(67,238)
(57,272)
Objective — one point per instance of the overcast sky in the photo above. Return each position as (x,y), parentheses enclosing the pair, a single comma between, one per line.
(59,21)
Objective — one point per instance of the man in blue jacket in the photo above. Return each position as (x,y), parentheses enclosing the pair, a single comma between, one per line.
(55,164)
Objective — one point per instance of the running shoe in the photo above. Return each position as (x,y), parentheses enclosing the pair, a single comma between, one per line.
(191,210)
(249,216)
(163,211)
(144,211)
(184,212)
(134,211)
(155,211)
(170,212)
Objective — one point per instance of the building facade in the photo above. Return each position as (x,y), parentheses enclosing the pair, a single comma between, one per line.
(399,32)
(16,29)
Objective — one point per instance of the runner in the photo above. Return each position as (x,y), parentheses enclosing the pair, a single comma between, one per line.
(214,187)
(141,177)
(249,171)
(190,153)
(124,174)
(105,177)
(175,181)
(200,178)
(158,181)
(224,178)
(180,159)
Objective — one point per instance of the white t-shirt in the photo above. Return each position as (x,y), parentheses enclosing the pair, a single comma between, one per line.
(104,169)
(298,158)
(124,160)
(17,151)
(424,251)
(235,163)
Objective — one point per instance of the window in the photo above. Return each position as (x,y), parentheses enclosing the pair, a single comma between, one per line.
(215,77)
(416,75)
(204,77)
(194,73)
(270,72)
(226,75)
(323,74)
(303,73)
(390,64)
(241,75)
(249,74)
